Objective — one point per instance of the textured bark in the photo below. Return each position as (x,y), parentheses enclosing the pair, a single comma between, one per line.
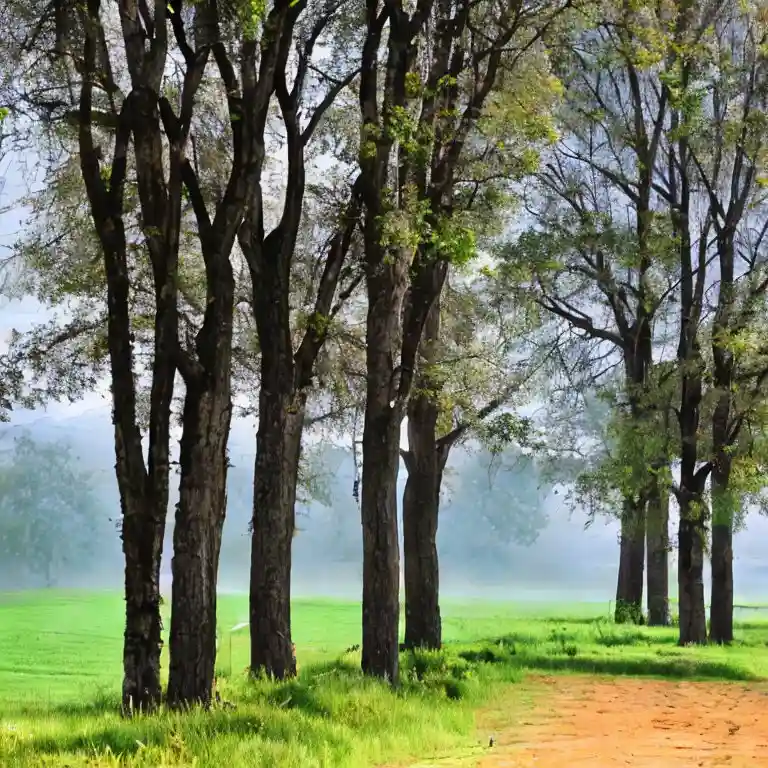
(275,480)
(690,579)
(657,541)
(381,548)
(143,490)
(723,437)
(721,602)
(143,529)
(197,541)
(629,586)
(425,462)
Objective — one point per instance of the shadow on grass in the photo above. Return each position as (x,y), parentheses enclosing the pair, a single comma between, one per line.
(677,668)
(311,708)
(568,657)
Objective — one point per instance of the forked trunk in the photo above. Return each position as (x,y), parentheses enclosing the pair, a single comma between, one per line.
(278,448)
(690,577)
(197,542)
(629,587)
(721,603)
(657,527)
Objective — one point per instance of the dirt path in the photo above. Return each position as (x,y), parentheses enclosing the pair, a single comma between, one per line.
(580,721)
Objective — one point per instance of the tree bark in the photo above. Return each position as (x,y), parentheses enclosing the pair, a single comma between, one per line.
(381,548)
(197,542)
(425,462)
(657,532)
(690,579)
(143,490)
(723,501)
(629,587)
(143,529)
(275,479)
(721,603)
(203,462)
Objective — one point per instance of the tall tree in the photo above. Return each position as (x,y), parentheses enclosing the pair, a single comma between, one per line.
(414,134)
(729,150)
(601,240)
(287,369)
(463,376)
(155,112)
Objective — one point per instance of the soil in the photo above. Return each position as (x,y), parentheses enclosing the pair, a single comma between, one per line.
(579,721)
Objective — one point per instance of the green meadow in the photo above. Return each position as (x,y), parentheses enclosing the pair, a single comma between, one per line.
(60,671)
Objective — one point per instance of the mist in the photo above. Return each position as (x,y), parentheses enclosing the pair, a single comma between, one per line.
(504,534)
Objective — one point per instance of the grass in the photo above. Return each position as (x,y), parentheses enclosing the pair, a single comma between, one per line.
(60,659)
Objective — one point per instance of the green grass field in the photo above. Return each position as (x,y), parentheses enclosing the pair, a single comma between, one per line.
(60,664)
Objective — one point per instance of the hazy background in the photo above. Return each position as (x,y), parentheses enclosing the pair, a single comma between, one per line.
(502,534)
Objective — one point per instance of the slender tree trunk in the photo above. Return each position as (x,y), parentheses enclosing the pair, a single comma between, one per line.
(690,578)
(657,532)
(721,603)
(275,479)
(425,462)
(381,548)
(629,587)
(202,503)
(143,530)
(723,501)
(384,411)
(421,506)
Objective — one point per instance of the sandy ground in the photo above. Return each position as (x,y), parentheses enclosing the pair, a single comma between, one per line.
(579,722)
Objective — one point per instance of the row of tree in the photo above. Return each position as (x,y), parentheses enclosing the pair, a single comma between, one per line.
(161,238)
(648,246)
(242,197)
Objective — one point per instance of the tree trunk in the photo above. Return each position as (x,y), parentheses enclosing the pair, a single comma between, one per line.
(143,530)
(721,603)
(425,462)
(690,578)
(197,543)
(381,548)
(629,587)
(657,527)
(723,438)
(276,476)
(421,506)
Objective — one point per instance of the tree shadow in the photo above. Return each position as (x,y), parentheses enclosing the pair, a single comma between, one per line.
(675,668)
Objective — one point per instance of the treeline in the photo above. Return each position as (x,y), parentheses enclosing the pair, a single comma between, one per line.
(338,215)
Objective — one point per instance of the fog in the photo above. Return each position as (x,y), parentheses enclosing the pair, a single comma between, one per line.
(502,535)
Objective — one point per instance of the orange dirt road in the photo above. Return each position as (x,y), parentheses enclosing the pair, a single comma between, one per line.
(579,722)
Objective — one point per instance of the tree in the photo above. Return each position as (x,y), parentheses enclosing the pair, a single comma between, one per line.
(287,373)
(466,369)
(414,135)
(597,261)
(728,150)
(50,518)
(151,109)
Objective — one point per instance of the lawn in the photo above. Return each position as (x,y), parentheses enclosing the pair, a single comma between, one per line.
(60,657)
